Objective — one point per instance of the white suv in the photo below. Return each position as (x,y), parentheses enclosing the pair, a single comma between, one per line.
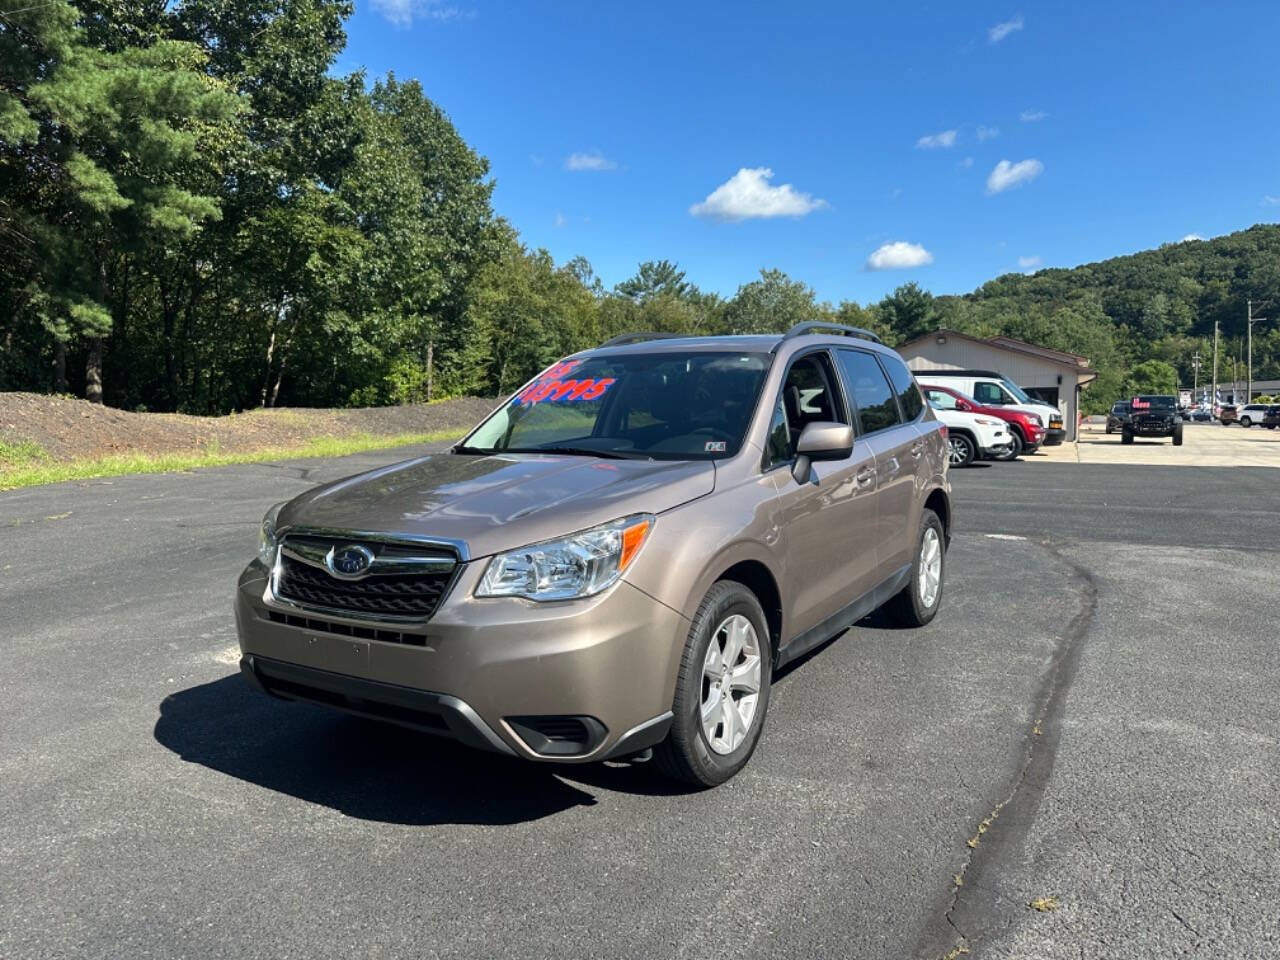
(971,436)
(1251,413)
(991,389)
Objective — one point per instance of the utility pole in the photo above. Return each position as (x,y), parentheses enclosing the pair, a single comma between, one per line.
(1195,377)
(1250,321)
(1213,404)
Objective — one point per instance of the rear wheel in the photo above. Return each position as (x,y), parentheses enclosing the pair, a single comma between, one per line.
(1246,422)
(962,449)
(722,689)
(917,602)
(1109,430)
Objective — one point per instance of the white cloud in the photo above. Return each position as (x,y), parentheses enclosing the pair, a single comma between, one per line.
(1271,201)
(947,138)
(1190,237)
(1006,174)
(592,161)
(1029,263)
(560,220)
(748,194)
(1032,116)
(1001,30)
(987,133)
(967,162)
(899,255)
(402,13)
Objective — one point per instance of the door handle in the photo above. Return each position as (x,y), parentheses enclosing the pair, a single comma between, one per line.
(865,476)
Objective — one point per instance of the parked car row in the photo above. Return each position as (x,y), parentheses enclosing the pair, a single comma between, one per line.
(987,431)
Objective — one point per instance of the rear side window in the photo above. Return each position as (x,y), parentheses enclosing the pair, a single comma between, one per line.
(871,392)
(905,386)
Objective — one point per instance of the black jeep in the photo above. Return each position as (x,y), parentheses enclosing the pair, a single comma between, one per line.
(1152,415)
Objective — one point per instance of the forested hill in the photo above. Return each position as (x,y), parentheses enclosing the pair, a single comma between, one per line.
(196,214)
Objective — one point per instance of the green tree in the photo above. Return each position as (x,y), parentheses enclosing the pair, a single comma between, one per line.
(772,304)
(653,279)
(908,311)
(1152,376)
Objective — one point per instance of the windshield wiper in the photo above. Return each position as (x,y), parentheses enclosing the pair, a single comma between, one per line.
(475,451)
(583,452)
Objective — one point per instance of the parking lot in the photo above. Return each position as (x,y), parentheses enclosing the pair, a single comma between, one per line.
(1090,724)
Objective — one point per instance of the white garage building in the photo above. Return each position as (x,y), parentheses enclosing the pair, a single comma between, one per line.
(1049,375)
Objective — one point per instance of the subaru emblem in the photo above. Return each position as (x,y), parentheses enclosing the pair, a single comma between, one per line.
(350,562)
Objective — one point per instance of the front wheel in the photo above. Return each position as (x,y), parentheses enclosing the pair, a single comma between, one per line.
(722,689)
(962,450)
(1246,422)
(917,602)
(1015,451)
(1126,437)
(1177,435)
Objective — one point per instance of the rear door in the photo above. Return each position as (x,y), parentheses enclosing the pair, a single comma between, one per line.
(897,445)
(829,525)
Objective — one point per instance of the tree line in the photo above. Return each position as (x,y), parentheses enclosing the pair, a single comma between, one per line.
(197,215)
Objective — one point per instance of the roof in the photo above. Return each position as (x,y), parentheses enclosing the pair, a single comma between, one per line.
(1077,363)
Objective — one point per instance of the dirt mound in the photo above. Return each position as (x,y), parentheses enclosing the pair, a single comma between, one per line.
(68,429)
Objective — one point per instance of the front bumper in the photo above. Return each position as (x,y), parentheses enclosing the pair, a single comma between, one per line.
(483,672)
(1054,436)
(995,450)
(1160,428)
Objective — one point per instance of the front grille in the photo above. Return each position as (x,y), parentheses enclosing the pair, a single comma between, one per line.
(403,592)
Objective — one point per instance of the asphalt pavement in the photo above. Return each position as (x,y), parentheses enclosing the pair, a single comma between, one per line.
(1094,708)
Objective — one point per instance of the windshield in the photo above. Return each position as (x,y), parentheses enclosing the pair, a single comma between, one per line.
(1018,392)
(1154,403)
(665,406)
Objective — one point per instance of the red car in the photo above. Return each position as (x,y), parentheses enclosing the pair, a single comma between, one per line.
(1026,428)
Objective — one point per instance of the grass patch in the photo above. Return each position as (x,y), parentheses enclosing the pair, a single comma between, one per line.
(36,468)
(18,453)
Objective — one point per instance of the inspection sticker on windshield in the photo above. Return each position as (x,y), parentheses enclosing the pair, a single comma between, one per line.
(714,446)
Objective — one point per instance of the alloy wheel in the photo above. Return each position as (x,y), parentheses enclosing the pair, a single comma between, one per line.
(959,451)
(730,684)
(930,575)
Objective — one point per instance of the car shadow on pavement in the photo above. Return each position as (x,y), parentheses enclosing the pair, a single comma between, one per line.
(364,768)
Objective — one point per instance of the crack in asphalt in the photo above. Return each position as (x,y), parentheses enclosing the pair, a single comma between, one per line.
(974,909)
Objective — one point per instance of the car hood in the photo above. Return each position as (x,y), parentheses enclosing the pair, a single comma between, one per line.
(496,503)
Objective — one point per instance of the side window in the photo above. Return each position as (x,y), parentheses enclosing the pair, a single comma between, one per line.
(808,395)
(871,392)
(905,386)
(984,391)
(939,400)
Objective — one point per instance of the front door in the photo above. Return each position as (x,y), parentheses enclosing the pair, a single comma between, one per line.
(829,524)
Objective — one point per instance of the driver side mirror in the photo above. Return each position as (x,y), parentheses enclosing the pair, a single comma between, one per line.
(820,440)
(964,405)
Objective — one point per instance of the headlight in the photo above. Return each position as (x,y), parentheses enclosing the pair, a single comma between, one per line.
(580,565)
(988,422)
(267,537)
(1035,418)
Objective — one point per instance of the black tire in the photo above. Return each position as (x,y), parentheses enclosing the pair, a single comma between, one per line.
(1017,446)
(961,449)
(685,754)
(1177,435)
(1126,437)
(1246,422)
(1109,430)
(907,608)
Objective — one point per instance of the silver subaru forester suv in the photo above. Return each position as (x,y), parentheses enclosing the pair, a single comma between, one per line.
(614,563)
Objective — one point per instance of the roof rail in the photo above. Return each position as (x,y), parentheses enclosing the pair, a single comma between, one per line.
(812,325)
(622,338)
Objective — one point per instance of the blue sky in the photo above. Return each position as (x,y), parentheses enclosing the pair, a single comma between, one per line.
(945,143)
